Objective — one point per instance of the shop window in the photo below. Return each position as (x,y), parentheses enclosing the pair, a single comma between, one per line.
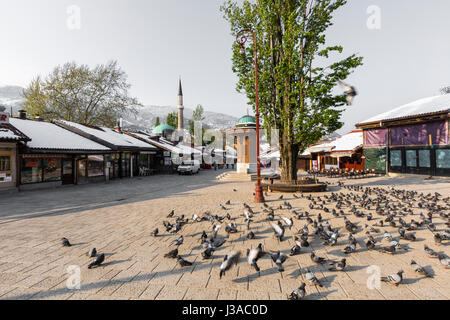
(396,158)
(52,169)
(5,163)
(443,158)
(31,171)
(411,158)
(424,159)
(95,166)
(67,167)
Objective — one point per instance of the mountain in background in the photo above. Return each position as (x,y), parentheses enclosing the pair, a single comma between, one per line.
(11,97)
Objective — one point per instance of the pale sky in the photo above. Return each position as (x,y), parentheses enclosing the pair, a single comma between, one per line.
(155,42)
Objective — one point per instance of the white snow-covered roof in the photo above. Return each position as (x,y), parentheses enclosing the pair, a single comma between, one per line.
(159,144)
(348,142)
(416,108)
(46,135)
(110,135)
(8,132)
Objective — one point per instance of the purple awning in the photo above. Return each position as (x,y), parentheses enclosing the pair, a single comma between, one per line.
(375,137)
(418,134)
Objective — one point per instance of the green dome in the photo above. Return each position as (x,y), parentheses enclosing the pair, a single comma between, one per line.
(246,121)
(161,128)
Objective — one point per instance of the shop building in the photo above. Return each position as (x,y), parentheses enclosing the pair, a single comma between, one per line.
(10,139)
(410,139)
(56,156)
(130,157)
(344,153)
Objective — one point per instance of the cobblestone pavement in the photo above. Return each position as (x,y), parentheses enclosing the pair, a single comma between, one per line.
(117,218)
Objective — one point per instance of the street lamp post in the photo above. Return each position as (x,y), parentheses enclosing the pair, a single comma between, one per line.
(241,39)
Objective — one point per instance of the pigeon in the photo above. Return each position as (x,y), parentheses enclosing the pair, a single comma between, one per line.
(295,250)
(387,236)
(317,259)
(247,223)
(97,261)
(279,258)
(251,235)
(311,278)
(351,247)
(215,230)
(183,263)
(278,230)
(155,232)
(338,265)
(170,215)
(350,92)
(388,249)
(370,244)
(444,260)
(419,269)
(65,242)
(179,241)
(431,253)
(407,236)
(172,254)
(289,222)
(395,278)
(298,293)
(228,202)
(231,228)
(228,261)
(207,253)
(203,237)
(253,255)
(92,253)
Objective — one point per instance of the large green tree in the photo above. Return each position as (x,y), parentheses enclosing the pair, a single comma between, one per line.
(97,96)
(297,80)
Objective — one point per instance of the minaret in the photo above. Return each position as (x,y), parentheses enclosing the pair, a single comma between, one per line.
(180,107)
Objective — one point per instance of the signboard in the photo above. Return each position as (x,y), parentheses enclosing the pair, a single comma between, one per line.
(315,165)
(4,117)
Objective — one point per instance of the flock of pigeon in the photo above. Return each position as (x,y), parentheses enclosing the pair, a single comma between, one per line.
(388,207)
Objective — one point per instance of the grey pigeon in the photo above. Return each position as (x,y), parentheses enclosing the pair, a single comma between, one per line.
(179,241)
(311,278)
(338,265)
(228,261)
(278,230)
(295,250)
(419,269)
(172,254)
(279,258)
(317,259)
(155,232)
(253,256)
(183,262)
(395,278)
(97,261)
(298,293)
(65,242)
(431,253)
(444,260)
(92,253)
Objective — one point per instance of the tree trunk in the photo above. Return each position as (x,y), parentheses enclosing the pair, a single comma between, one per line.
(289,152)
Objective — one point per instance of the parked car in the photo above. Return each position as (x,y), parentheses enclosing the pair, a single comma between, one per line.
(189,167)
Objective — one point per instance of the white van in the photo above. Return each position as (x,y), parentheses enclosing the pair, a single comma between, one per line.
(189,167)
